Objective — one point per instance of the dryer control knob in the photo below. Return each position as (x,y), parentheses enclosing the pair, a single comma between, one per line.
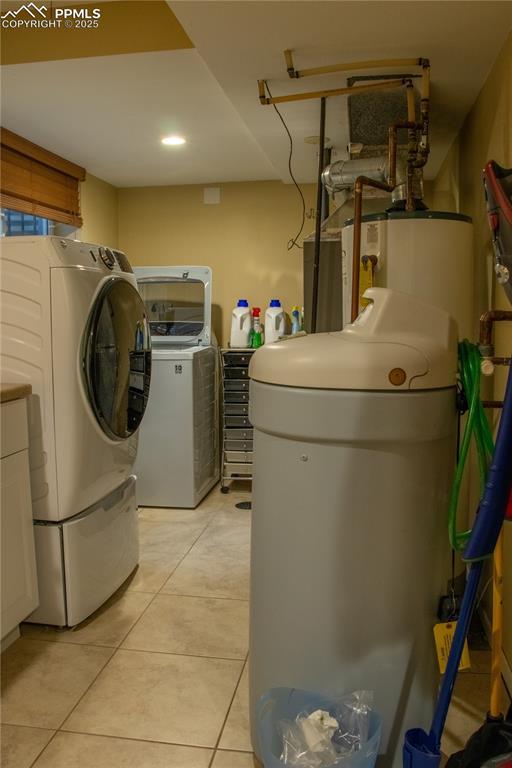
(107,257)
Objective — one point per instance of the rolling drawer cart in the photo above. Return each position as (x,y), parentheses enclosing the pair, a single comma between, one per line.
(236,428)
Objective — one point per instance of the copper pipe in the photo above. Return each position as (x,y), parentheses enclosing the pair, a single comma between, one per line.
(424,145)
(392,143)
(487,321)
(425,80)
(411,157)
(379,86)
(356,251)
(361,182)
(411,103)
(500,360)
(392,149)
(318,222)
(412,144)
(289,64)
(409,201)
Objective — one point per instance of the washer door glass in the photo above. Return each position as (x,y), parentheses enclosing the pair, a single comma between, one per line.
(117,358)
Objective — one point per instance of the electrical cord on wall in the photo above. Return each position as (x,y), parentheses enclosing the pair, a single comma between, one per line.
(293,241)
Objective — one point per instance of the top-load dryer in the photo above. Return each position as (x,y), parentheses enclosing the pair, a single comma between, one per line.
(74,326)
(178,456)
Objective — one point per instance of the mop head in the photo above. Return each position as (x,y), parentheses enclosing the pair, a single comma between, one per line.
(492,740)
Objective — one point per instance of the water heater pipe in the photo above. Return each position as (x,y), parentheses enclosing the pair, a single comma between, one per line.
(347,66)
(487,321)
(359,185)
(418,150)
(346,91)
(424,144)
(318,222)
(417,157)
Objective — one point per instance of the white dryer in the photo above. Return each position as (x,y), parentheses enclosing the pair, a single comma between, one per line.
(74,326)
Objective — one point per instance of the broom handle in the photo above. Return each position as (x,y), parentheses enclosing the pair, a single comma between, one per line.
(461,632)
(497,628)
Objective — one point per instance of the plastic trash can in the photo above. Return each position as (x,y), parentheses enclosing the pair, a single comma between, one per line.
(286,703)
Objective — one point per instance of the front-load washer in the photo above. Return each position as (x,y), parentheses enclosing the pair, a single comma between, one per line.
(74,326)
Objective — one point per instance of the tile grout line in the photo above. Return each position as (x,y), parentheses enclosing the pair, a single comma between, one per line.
(43,749)
(116,649)
(210,521)
(221,731)
(187,655)
(58,730)
(135,650)
(138,741)
(204,597)
(169,577)
(33,727)
(30,636)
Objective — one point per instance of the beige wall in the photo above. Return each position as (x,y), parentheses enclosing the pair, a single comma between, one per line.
(243,239)
(485,135)
(98,202)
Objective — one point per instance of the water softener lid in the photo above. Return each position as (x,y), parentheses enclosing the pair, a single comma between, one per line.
(397,343)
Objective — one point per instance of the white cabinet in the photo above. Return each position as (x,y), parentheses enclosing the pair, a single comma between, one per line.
(18,565)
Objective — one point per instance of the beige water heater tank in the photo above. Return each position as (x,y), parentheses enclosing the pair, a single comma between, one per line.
(428,254)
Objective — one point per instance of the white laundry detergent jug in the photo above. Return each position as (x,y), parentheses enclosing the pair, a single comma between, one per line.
(240,325)
(274,321)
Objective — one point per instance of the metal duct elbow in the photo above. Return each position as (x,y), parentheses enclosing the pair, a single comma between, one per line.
(343,174)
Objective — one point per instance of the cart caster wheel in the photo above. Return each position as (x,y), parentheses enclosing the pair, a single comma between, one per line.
(224,489)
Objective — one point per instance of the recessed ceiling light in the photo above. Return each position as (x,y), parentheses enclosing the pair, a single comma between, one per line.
(173,141)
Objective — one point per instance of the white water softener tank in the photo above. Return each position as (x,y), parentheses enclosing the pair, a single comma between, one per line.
(354,446)
(425,253)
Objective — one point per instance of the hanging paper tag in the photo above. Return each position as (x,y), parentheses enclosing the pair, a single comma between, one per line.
(365,279)
(443,636)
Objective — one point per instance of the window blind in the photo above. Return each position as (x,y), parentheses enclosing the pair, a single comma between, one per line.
(38,182)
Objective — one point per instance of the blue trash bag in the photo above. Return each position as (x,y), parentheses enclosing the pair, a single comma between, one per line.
(285,704)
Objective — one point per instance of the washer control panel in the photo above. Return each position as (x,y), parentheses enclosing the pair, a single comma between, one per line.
(76,253)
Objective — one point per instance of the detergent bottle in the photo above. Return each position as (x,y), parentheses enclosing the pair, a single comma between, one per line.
(240,325)
(296,320)
(256,335)
(274,321)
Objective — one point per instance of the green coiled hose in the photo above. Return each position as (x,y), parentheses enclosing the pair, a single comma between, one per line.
(477,427)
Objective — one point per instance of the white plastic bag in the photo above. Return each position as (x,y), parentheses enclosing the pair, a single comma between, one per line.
(322,738)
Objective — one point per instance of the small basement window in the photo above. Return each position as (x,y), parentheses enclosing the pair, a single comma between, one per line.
(16,223)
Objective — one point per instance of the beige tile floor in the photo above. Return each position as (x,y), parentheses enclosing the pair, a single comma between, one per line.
(157,678)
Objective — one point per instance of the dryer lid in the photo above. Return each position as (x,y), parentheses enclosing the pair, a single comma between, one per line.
(397,342)
(178,303)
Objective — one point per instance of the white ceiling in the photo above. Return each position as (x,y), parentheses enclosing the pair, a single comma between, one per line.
(244,41)
(109,113)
